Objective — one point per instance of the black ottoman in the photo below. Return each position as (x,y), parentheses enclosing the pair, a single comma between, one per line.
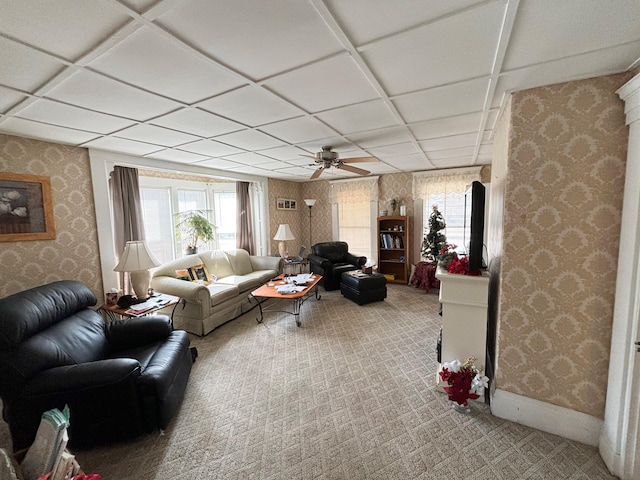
(363,289)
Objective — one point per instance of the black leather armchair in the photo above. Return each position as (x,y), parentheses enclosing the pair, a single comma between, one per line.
(331,259)
(120,379)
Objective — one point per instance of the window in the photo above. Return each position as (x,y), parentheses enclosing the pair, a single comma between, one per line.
(355,204)
(451,205)
(162,198)
(354,227)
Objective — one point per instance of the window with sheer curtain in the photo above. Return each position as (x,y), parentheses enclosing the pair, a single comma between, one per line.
(353,201)
(446,189)
(161,197)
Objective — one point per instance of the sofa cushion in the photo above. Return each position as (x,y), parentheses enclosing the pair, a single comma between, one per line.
(240,261)
(217,263)
(243,282)
(222,292)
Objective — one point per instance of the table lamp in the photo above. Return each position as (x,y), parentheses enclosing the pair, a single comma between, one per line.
(137,260)
(282,235)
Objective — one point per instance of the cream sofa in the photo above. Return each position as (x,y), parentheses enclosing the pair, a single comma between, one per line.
(207,307)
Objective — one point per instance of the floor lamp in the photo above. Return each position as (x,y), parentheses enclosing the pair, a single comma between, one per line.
(310,203)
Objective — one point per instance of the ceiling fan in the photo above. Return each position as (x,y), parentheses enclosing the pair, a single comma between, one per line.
(327,158)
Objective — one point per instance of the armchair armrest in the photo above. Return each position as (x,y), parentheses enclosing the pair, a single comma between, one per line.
(355,260)
(110,374)
(319,261)
(125,334)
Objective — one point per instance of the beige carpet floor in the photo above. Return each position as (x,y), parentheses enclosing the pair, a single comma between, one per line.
(348,395)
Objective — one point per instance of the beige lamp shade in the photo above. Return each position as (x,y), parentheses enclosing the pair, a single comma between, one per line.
(137,260)
(310,202)
(282,235)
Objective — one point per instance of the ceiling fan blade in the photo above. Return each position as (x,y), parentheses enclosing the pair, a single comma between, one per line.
(359,160)
(351,169)
(317,173)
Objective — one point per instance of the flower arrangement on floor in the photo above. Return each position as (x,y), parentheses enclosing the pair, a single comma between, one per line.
(465,381)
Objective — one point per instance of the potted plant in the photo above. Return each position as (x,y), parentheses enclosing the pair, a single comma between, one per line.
(192,227)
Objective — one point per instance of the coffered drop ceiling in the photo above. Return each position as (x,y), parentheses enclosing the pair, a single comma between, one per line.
(252,85)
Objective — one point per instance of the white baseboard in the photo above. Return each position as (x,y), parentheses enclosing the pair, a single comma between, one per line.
(549,418)
(611,459)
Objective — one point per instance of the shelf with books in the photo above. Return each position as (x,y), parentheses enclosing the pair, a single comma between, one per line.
(393,247)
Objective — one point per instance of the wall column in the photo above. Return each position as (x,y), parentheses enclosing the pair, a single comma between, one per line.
(619,437)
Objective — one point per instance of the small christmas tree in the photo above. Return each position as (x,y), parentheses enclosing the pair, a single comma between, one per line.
(435,240)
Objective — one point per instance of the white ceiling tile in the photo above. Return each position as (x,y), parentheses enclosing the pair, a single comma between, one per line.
(328,84)
(155,63)
(360,117)
(68,28)
(27,128)
(251,106)
(122,145)
(102,94)
(250,140)
(406,148)
(548,29)
(379,138)
(197,122)
(453,49)
(447,101)
(443,127)
(23,68)
(181,156)
(585,66)
(219,163)
(450,153)
(210,148)
(9,98)
(156,135)
(284,153)
(274,165)
(259,39)
(140,5)
(390,17)
(453,162)
(48,111)
(302,129)
(408,163)
(381,167)
(249,158)
(302,161)
(454,141)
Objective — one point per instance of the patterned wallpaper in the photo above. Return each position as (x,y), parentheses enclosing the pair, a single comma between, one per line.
(73,255)
(562,209)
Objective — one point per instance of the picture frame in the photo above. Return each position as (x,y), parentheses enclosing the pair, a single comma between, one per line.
(286,204)
(200,272)
(26,208)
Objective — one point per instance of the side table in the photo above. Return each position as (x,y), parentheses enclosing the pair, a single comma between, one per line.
(153,304)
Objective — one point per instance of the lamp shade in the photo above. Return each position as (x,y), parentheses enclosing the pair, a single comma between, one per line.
(284,233)
(135,258)
(310,202)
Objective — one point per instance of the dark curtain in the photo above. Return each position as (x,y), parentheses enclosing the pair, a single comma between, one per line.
(244,232)
(127,213)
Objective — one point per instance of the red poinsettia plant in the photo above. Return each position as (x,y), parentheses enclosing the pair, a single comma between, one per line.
(465,381)
(461,265)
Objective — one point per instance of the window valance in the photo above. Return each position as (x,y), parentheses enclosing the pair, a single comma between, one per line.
(357,190)
(443,181)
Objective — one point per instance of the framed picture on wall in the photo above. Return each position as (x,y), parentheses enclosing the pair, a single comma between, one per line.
(286,204)
(26,209)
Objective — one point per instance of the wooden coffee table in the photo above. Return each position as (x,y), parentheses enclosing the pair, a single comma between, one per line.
(297,299)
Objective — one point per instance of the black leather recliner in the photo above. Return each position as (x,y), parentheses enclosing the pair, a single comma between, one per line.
(120,379)
(331,260)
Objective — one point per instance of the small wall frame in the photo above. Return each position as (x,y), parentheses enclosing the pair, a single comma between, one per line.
(26,209)
(286,204)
